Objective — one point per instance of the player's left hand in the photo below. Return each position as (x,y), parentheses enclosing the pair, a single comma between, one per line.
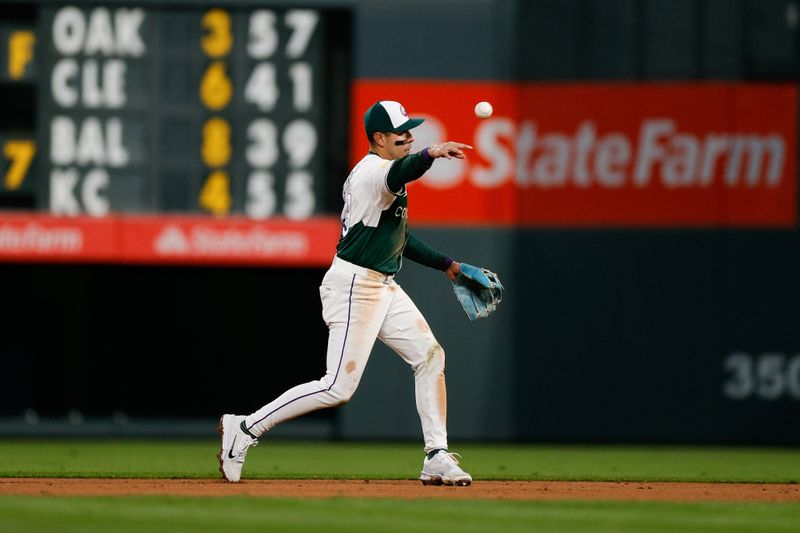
(448,149)
(453,270)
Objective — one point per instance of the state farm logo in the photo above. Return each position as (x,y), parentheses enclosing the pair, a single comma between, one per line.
(172,241)
(659,154)
(34,238)
(207,241)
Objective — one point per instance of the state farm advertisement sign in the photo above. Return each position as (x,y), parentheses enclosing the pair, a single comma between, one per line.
(179,240)
(614,155)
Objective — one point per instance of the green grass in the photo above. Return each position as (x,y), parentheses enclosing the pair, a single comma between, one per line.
(286,460)
(243,514)
(296,459)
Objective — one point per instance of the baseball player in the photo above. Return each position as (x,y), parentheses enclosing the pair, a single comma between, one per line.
(361,301)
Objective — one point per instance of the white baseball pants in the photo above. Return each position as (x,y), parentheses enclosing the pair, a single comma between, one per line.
(360,305)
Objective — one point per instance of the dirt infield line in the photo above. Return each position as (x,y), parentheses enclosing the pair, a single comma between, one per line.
(497,490)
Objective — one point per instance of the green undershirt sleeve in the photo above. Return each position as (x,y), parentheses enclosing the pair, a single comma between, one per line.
(421,253)
(407,169)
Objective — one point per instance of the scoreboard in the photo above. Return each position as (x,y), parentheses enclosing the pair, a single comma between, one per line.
(226,110)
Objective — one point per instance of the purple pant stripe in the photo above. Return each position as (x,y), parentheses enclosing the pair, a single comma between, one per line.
(341,356)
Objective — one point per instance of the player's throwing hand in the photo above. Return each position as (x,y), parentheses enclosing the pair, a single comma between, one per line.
(449,149)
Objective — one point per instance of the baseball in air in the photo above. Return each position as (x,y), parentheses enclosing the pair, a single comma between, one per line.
(483,110)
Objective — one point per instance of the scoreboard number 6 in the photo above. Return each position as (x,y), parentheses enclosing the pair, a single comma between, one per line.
(216,88)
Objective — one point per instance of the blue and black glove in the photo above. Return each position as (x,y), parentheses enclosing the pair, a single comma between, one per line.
(478,290)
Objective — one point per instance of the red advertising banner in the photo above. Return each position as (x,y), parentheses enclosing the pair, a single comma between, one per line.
(41,237)
(168,240)
(608,155)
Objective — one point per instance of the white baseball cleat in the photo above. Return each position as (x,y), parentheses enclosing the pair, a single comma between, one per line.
(235,444)
(443,469)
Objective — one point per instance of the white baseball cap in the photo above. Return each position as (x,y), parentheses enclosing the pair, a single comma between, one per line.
(388,115)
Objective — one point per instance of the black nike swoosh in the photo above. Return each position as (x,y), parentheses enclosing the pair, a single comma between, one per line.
(230,455)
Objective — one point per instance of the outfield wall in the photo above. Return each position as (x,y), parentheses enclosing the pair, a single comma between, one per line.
(640,312)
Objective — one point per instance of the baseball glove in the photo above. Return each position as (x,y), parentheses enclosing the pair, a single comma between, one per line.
(478,290)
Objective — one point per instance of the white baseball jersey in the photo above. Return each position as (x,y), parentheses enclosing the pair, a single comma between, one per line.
(374,218)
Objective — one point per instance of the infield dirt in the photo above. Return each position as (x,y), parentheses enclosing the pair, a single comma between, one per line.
(499,490)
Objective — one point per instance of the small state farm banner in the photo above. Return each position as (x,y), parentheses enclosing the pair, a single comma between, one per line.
(629,155)
(182,240)
(44,238)
(231,241)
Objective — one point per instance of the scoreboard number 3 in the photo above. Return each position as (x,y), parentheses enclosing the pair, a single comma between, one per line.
(218,40)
